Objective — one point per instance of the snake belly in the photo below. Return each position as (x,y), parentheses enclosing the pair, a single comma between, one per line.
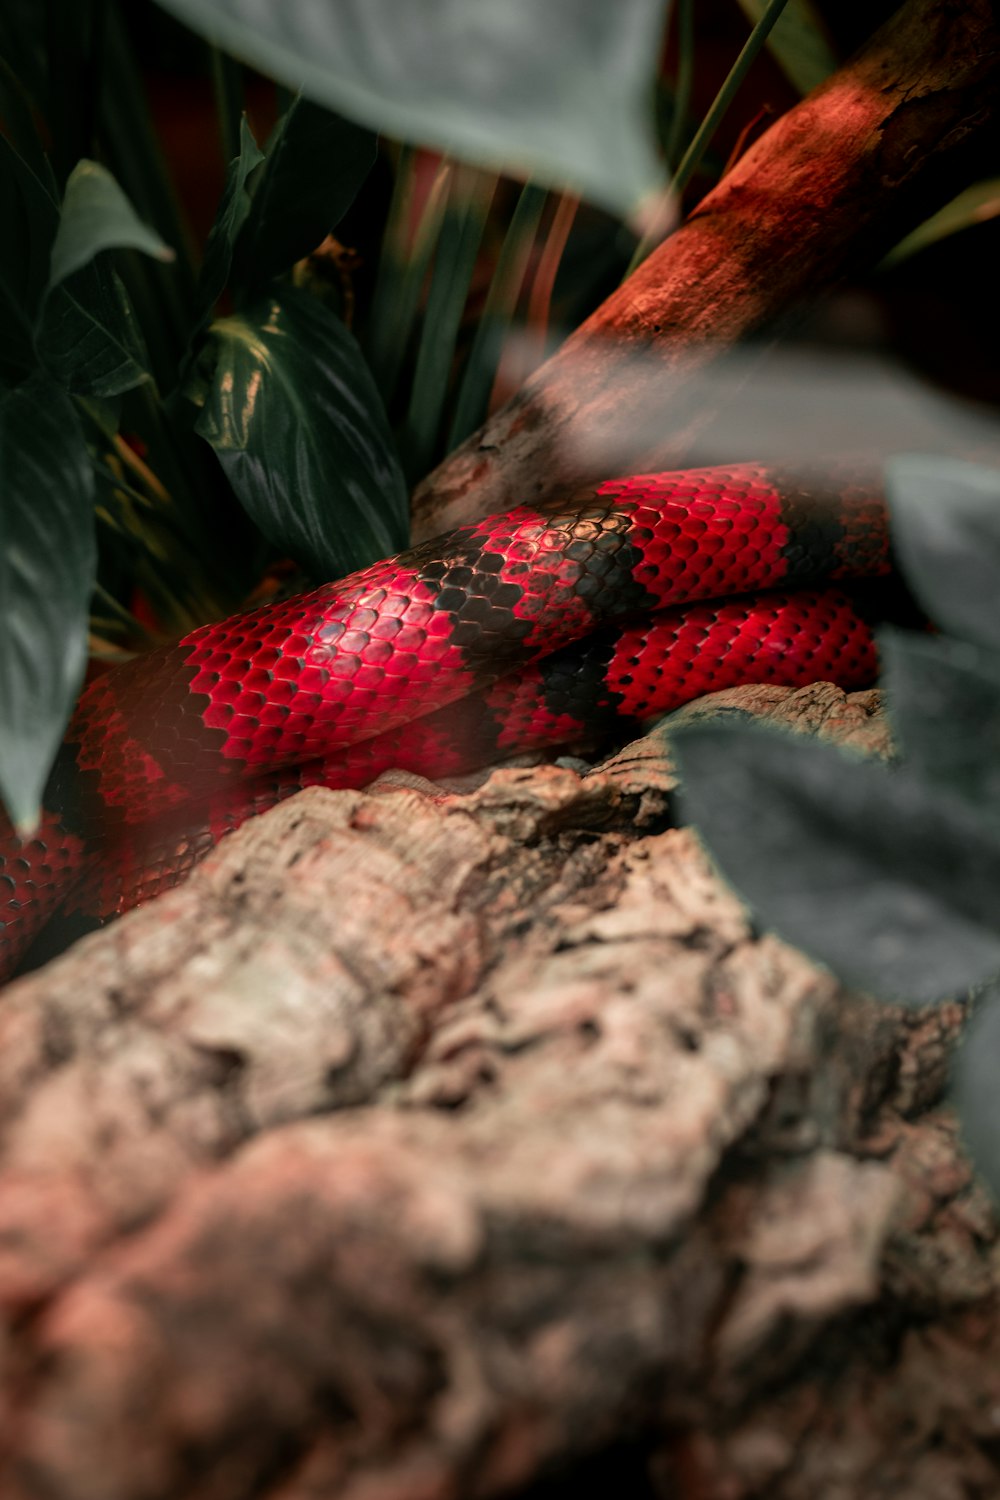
(310,679)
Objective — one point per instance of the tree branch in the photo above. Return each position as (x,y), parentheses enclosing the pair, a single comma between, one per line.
(832,185)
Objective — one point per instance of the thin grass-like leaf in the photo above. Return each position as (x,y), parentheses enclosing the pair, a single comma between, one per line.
(710,124)
(401,279)
(501,300)
(227,87)
(799,43)
(976,205)
(454,261)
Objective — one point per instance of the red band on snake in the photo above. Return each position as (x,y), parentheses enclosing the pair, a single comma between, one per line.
(331,676)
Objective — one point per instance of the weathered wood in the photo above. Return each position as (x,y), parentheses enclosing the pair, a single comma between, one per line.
(826,190)
(428,1138)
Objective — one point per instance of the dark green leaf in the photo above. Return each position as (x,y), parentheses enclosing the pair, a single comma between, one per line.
(454,262)
(560,91)
(944,700)
(18,118)
(976,205)
(29,215)
(946,533)
(96,216)
(974,1086)
(893,887)
(798,42)
(293,414)
(22,41)
(89,338)
(47,563)
(229,220)
(494,322)
(314,164)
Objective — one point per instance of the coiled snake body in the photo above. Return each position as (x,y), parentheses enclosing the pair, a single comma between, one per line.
(531,628)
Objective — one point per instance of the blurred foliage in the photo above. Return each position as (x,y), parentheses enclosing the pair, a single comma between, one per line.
(889,875)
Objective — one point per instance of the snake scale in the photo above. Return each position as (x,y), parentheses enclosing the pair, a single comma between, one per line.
(537,627)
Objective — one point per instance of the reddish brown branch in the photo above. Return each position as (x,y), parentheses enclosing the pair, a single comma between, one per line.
(830,186)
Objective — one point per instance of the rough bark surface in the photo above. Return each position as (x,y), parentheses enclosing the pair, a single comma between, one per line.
(825,190)
(430,1140)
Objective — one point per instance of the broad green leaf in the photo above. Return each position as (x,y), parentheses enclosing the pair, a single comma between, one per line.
(975,206)
(946,533)
(895,888)
(561,91)
(229,220)
(974,1087)
(799,42)
(89,338)
(943,697)
(96,216)
(47,564)
(314,164)
(291,410)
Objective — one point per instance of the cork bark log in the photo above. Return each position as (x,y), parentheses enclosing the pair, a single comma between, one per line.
(826,190)
(431,1141)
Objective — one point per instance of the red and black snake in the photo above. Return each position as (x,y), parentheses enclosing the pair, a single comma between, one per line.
(514,633)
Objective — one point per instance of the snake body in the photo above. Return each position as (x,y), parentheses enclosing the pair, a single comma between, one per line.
(473,636)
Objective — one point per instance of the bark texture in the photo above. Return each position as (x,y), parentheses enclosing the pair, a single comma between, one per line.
(431,1139)
(827,189)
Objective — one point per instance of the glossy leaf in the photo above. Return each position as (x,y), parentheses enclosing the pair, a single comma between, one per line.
(943,697)
(96,216)
(231,216)
(798,42)
(946,533)
(293,414)
(89,338)
(559,91)
(856,864)
(974,1087)
(47,563)
(313,166)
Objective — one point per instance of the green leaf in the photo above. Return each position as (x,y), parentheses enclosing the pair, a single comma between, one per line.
(314,164)
(47,565)
(892,886)
(292,412)
(229,220)
(976,205)
(498,310)
(798,41)
(96,216)
(943,697)
(560,92)
(89,338)
(19,125)
(974,1087)
(29,215)
(454,262)
(945,518)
